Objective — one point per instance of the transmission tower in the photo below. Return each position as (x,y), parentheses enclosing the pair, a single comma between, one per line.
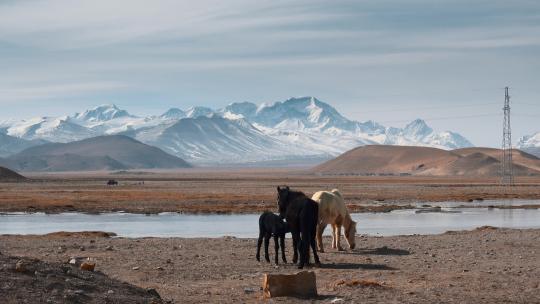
(507,172)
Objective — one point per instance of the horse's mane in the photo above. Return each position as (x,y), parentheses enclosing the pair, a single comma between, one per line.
(296,194)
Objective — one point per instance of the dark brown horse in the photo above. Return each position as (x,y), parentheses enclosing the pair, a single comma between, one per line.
(301,214)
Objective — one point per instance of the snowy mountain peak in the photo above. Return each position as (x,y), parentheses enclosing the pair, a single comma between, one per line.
(307,112)
(103,112)
(529,141)
(417,129)
(195,112)
(173,113)
(246,109)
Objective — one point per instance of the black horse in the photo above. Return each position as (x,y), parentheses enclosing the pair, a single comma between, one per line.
(271,225)
(301,214)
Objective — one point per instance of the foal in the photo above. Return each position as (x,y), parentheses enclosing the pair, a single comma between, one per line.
(271,224)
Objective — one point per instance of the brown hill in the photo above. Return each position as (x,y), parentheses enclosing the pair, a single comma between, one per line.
(7,175)
(399,160)
(114,152)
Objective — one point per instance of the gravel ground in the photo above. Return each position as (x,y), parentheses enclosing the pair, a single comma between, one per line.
(486,265)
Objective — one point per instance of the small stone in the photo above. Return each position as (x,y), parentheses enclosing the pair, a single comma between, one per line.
(82,248)
(79,291)
(135,268)
(110,291)
(248,290)
(89,266)
(159,268)
(109,248)
(20,267)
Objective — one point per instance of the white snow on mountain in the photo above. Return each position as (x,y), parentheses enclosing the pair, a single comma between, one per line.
(239,132)
(57,129)
(101,113)
(195,112)
(173,113)
(529,141)
(217,139)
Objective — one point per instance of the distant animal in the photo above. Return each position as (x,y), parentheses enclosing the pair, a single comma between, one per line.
(301,214)
(271,225)
(112,182)
(332,210)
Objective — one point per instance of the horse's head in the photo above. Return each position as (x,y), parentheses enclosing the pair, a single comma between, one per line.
(282,200)
(350,233)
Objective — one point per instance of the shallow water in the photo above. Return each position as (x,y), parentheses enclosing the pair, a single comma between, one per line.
(399,222)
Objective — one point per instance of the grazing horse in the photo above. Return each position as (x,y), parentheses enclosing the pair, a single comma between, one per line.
(332,210)
(270,225)
(301,214)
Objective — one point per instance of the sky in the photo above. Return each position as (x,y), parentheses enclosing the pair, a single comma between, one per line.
(389,61)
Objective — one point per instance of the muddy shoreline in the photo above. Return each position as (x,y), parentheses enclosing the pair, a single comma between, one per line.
(486,265)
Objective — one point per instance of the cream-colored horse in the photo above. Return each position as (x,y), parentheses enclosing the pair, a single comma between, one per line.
(332,210)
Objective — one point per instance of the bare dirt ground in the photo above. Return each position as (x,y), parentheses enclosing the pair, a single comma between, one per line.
(239,191)
(486,265)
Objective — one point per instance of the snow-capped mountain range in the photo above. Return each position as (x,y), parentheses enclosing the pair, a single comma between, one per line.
(530,144)
(238,133)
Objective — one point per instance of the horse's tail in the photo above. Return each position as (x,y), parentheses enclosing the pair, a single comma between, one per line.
(336,192)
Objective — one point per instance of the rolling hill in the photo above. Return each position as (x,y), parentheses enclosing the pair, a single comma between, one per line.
(7,175)
(116,152)
(405,160)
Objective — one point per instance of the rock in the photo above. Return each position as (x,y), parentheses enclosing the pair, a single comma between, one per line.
(153,292)
(249,290)
(135,268)
(302,284)
(89,266)
(109,248)
(20,266)
(110,291)
(82,248)
(75,261)
(159,268)
(337,300)
(79,292)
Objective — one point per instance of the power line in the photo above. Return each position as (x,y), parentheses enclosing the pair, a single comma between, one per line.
(444,118)
(426,108)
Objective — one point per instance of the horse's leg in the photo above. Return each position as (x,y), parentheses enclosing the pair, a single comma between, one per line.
(320,230)
(302,253)
(282,241)
(276,247)
(338,234)
(266,243)
(259,243)
(296,240)
(334,237)
(313,247)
